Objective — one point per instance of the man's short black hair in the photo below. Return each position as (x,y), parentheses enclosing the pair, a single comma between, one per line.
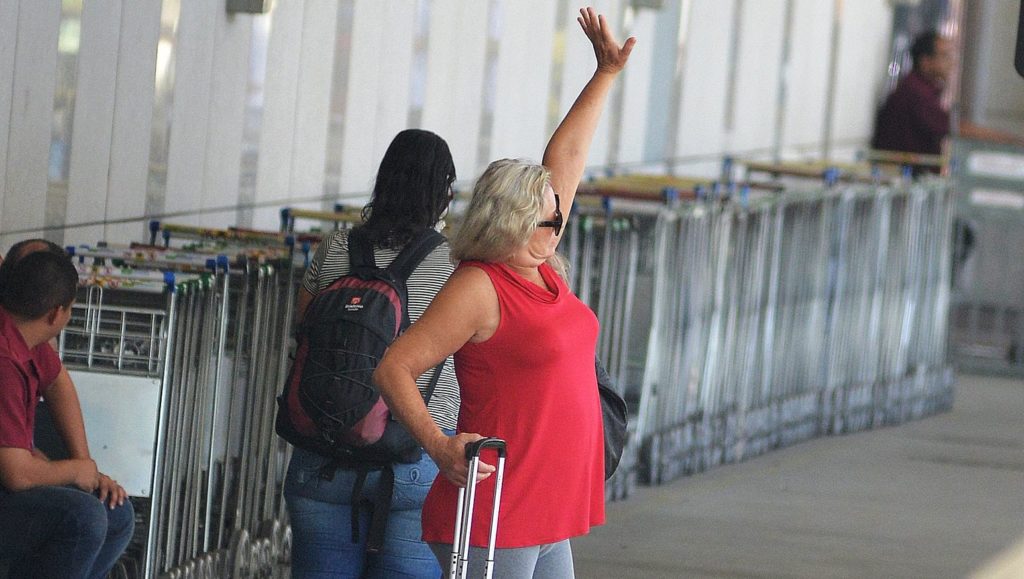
(23,248)
(924,45)
(37,283)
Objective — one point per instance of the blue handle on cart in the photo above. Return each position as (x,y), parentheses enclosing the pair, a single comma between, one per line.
(339,207)
(745,196)
(223,263)
(306,246)
(831,176)
(727,168)
(154,227)
(670,194)
(606,204)
(286,215)
(289,240)
(474,448)
(699,192)
(167,238)
(169,280)
(211,264)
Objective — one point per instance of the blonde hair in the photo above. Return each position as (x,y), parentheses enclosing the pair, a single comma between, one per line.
(503,213)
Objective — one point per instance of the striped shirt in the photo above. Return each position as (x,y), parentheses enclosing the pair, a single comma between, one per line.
(331,262)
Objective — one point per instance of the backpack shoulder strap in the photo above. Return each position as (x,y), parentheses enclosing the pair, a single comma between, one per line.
(434,379)
(360,250)
(414,252)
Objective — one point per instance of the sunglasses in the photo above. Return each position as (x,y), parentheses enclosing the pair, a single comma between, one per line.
(555,223)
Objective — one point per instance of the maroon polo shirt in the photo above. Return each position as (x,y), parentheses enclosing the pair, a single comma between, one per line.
(24,373)
(912,118)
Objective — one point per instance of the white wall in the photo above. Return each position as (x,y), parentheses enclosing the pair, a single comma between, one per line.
(184,112)
(806,75)
(863,45)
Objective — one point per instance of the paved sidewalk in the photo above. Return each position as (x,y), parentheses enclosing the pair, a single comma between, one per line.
(940,497)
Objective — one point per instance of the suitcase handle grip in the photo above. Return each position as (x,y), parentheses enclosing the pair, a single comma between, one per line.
(473,448)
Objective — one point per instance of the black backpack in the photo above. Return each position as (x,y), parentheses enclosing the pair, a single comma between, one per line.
(329,404)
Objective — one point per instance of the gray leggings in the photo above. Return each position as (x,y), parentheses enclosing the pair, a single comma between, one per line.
(551,561)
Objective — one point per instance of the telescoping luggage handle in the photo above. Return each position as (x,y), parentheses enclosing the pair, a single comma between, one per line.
(464,509)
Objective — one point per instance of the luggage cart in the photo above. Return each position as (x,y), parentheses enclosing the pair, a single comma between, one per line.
(126,326)
(220,510)
(987,326)
(605,267)
(783,316)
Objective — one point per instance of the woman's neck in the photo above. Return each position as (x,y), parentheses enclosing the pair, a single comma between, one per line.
(529,273)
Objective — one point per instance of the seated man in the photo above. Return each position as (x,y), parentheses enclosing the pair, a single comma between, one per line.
(67,519)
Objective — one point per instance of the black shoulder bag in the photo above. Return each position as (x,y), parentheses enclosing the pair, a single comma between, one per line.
(613,413)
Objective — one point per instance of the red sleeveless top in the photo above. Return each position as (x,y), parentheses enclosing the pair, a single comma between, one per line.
(533,384)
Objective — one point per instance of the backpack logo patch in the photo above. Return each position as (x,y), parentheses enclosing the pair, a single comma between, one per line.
(354,304)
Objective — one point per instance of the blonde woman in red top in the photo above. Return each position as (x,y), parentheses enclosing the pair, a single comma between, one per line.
(524,352)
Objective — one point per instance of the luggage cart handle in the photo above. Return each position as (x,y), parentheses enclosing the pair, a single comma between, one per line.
(474,448)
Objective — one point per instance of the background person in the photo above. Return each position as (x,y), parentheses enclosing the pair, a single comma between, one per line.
(524,353)
(71,521)
(64,433)
(913,118)
(411,193)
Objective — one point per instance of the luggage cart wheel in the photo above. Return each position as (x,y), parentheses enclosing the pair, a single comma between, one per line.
(218,567)
(286,545)
(120,571)
(238,554)
(206,567)
(262,558)
(271,530)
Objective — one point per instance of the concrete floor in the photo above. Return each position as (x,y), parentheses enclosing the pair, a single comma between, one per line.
(935,498)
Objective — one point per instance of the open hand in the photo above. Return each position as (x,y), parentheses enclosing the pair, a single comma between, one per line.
(611,57)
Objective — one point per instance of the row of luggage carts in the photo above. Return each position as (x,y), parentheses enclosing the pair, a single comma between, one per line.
(186,346)
(737,324)
(735,319)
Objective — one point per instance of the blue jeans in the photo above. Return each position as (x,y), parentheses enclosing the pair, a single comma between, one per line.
(62,532)
(320,512)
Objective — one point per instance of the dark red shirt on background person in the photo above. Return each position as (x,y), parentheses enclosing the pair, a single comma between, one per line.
(912,118)
(24,374)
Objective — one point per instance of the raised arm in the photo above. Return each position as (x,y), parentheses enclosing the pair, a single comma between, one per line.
(566,153)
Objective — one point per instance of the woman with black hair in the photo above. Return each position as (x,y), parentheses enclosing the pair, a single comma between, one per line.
(412,192)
